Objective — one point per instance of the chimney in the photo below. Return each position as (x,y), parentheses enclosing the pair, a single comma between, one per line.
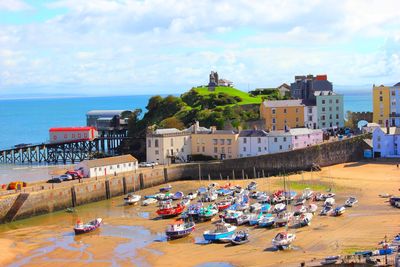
(213,129)
(196,127)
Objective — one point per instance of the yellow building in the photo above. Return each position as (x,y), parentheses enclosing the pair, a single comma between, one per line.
(219,144)
(282,114)
(381,104)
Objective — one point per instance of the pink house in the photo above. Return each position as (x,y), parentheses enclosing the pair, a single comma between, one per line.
(304,137)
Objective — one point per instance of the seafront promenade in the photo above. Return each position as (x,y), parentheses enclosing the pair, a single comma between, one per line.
(43,198)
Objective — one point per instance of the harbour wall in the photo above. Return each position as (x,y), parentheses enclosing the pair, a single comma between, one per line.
(26,204)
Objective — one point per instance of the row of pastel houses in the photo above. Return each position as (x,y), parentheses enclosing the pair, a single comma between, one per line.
(171,145)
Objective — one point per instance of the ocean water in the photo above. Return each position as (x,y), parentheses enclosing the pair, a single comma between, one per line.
(29,120)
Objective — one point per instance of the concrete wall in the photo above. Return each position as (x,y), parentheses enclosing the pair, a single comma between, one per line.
(91,190)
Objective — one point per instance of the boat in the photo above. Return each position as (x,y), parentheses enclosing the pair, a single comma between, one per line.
(319,197)
(70,210)
(283,218)
(223,205)
(202,190)
(132,199)
(283,240)
(338,211)
(224,192)
(213,185)
(206,213)
(330,260)
(350,202)
(257,207)
(210,196)
(167,210)
(242,219)
(191,195)
(240,237)
(312,208)
(299,201)
(165,188)
(149,201)
(279,207)
(264,198)
(185,202)
(178,195)
(305,219)
(300,210)
(81,228)
(266,220)
(222,230)
(179,229)
(252,186)
(289,195)
(231,216)
(226,186)
(254,218)
(307,193)
(194,210)
(330,201)
(393,200)
(326,210)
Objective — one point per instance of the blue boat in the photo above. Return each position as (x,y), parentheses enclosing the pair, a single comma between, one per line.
(266,220)
(221,231)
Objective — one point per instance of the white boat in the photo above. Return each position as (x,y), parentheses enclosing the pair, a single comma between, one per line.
(339,211)
(305,219)
(132,199)
(191,195)
(312,208)
(300,210)
(266,220)
(330,201)
(330,260)
(210,196)
(350,202)
(222,230)
(185,202)
(307,193)
(283,240)
(326,210)
(283,218)
(149,201)
(279,207)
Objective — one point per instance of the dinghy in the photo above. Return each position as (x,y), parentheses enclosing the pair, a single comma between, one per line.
(240,238)
(279,207)
(223,205)
(338,211)
(330,201)
(178,195)
(326,210)
(305,219)
(81,228)
(350,202)
(330,260)
(149,201)
(300,210)
(206,213)
(307,193)
(283,240)
(252,186)
(312,208)
(283,218)
(192,195)
(131,199)
(165,188)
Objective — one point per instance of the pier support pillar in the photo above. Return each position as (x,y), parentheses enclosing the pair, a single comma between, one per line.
(73,196)
(141,181)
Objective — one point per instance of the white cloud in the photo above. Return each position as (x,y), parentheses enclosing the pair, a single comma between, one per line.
(14,5)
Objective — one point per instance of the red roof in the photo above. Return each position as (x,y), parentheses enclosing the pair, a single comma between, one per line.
(323,77)
(72,129)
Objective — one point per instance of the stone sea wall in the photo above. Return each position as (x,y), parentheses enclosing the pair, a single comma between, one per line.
(15,206)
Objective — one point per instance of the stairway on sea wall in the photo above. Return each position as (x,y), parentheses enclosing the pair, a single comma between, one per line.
(12,212)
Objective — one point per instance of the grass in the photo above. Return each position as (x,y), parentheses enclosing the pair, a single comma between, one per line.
(352,250)
(246,97)
(301,185)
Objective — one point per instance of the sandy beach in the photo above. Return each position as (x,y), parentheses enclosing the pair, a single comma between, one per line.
(132,235)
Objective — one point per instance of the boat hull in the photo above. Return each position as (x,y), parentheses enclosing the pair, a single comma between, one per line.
(217,236)
(179,234)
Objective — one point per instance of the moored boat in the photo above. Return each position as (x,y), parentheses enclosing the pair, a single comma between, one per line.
(350,202)
(307,193)
(283,240)
(223,205)
(300,210)
(167,210)
(252,186)
(149,201)
(304,219)
(165,188)
(283,218)
(339,211)
(231,216)
(330,201)
(179,229)
(326,210)
(280,207)
(312,208)
(240,237)
(81,228)
(266,220)
(191,195)
(207,213)
(131,199)
(330,260)
(178,195)
(222,230)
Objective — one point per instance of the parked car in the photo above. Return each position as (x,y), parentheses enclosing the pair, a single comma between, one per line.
(77,174)
(145,164)
(154,163)
(66,177)
(55,180)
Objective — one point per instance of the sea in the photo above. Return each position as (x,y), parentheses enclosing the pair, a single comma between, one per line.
(29,120)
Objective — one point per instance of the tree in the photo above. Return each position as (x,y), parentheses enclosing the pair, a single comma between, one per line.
(172,122)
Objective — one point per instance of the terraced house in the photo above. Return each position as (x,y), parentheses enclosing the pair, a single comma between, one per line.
(386,105)
(329,109)
(282,114)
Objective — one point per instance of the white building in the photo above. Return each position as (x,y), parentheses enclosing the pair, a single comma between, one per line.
(171,145)
(253,143)
(304,137)
(279,141)
(310,117)
(108,166)
(386,142)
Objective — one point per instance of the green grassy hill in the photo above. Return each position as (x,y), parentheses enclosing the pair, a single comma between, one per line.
(246,97)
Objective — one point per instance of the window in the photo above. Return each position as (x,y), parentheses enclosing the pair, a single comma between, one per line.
(330,116)
(337,108)
(198,149)
(215,141)
(222,150)
(156,143)
(182,150)
(309,110)
(245,140)
(323,117)
(323,101)
(204,149)
(111,167)
(323,124)
(172,152)
(330,101)
(273,120)
(337,101)
(198,141)
(381,98)
(337,116)
(118,166)
(284,110)
(310,118)
(129,164)
(172,141)
(222,141)
(297,119)
(259,149)
(323,109)
(259,140)
(379,146)
(379,138)
(273,128)
(295,137)
(149,143)
(297,110)
(280,147)
(275,139)
(393,93)
(284,139)
(244,149)
(215,149)
(184,140)
(229,150)
(330,108)
(273,111)
(228,142)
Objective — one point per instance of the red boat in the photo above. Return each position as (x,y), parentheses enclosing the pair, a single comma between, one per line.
(167,210)
(223,205)
(81,228)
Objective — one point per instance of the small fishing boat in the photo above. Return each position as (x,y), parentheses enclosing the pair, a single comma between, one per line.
(254,218)
(202,190)
(223,205)
(326,210)
(300,210)
(350,202)
(149,201)
(191,195)
(167,210)
(213,185)
(305,219)
(299,201)
(166,188)
(283,240)
(279,207)
(393,200)
(194,210)
(206,213)
(179,229)
(252,186)
(319,197)
(185,202)
(226,186)
(210,196)
(283,218)
(307,193)
(151,196)
(230,216)
(289,195)
(240,237)
(266,220)
(338,211)
(222,230)
(81,228)
(224,192)
(264,198)
(178,195)
(330,260)
(242,219)
(255,207)
(330,201)
(312,208)
(329,195)
(131,199)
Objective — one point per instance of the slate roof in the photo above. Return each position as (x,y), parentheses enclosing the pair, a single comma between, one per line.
(253,133)
(283,103)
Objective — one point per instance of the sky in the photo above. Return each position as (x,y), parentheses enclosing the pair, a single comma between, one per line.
(119,47)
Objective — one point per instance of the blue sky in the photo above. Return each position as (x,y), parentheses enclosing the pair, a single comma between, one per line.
(103,47)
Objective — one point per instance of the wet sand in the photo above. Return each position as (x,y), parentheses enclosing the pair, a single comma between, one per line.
(133,236)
